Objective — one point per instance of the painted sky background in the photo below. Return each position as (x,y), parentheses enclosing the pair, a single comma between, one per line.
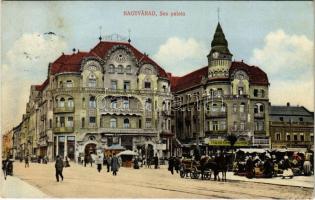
(276,36)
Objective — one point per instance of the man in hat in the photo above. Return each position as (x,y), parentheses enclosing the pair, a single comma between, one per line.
(59,168)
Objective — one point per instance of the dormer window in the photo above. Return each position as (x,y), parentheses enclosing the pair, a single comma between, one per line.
(240,90)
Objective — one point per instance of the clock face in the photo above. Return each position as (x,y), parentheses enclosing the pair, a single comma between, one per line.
(215,54)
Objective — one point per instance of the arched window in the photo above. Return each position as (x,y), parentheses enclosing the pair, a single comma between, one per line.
(164,106)
(92,80)
(120,69)
(62,102)
(111,69)
(126,123)
(261,108)
(92,102)
(256,108)
(69,83)
(223,108)
(113,123)
(70,102)
(128,69)
(113,103)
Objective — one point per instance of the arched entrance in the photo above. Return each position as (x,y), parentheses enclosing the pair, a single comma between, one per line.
(90,149)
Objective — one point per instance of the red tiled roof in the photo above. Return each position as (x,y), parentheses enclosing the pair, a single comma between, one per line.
(71,63)
(189,80)
(256,76)
(42,86)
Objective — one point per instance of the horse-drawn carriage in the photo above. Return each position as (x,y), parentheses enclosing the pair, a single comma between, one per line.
(192,168)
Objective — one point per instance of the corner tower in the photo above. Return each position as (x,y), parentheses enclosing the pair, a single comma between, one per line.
(219,58)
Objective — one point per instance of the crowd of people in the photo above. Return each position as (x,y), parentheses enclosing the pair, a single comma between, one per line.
(271,164)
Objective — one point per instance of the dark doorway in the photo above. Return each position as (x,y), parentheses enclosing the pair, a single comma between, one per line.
(90,149)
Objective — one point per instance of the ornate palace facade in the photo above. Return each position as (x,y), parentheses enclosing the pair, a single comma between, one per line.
(116,96)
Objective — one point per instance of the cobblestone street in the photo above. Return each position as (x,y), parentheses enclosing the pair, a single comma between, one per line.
(86,182)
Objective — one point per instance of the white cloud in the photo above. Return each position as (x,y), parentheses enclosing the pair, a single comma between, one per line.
(288,61)
(179,56)
(24,64)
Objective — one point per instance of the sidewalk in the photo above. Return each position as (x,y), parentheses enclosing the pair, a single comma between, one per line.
(14,187)
(296,181)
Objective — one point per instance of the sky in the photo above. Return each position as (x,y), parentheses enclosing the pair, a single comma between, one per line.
(276,36)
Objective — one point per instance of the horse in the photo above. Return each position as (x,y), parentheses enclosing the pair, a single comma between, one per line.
(216,165)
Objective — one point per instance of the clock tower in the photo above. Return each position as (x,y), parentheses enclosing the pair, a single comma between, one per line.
(219,58)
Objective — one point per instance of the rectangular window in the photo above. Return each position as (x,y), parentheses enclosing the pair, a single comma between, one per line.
(295,137)
(288,137)
(234,108)
(148,123)
(70,122)
(128,69)
(242,126)
(83,122)
(114,104)
(50,123)
(62,121)
(126,104)
(242,107)
(255,93)
(215,125)
(278,136)
(219,92)
(126,85)
(147,85)
(140,123)
(302,137)
(92,83)
(114,85)
(223,125)
(92,120)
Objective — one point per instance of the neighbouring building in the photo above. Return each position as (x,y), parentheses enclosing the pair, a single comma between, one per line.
(224,97)
(291,127)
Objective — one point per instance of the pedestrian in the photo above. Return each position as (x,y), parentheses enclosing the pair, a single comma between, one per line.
(27,161)
(86,160)
(171,165)
(5,168)
(249,168)
(114,164)
(176,163)
(109,162)
(67,162)
(98,162)
(59,168)
(156,161)
(91,159)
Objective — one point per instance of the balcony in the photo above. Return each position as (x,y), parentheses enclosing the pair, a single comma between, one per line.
(129,131)
(292,144)
(63,129)
(259,115)
(109,91)
(65,109)
(218,114)
(120,111)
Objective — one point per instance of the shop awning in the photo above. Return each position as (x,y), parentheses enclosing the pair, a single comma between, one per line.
(247,150)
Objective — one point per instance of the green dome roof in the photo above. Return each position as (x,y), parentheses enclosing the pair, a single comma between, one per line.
(219,43)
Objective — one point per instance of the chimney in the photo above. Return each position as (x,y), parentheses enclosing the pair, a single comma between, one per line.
(288,104)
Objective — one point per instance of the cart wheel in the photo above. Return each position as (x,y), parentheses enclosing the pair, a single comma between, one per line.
(182,174)
(194,175)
